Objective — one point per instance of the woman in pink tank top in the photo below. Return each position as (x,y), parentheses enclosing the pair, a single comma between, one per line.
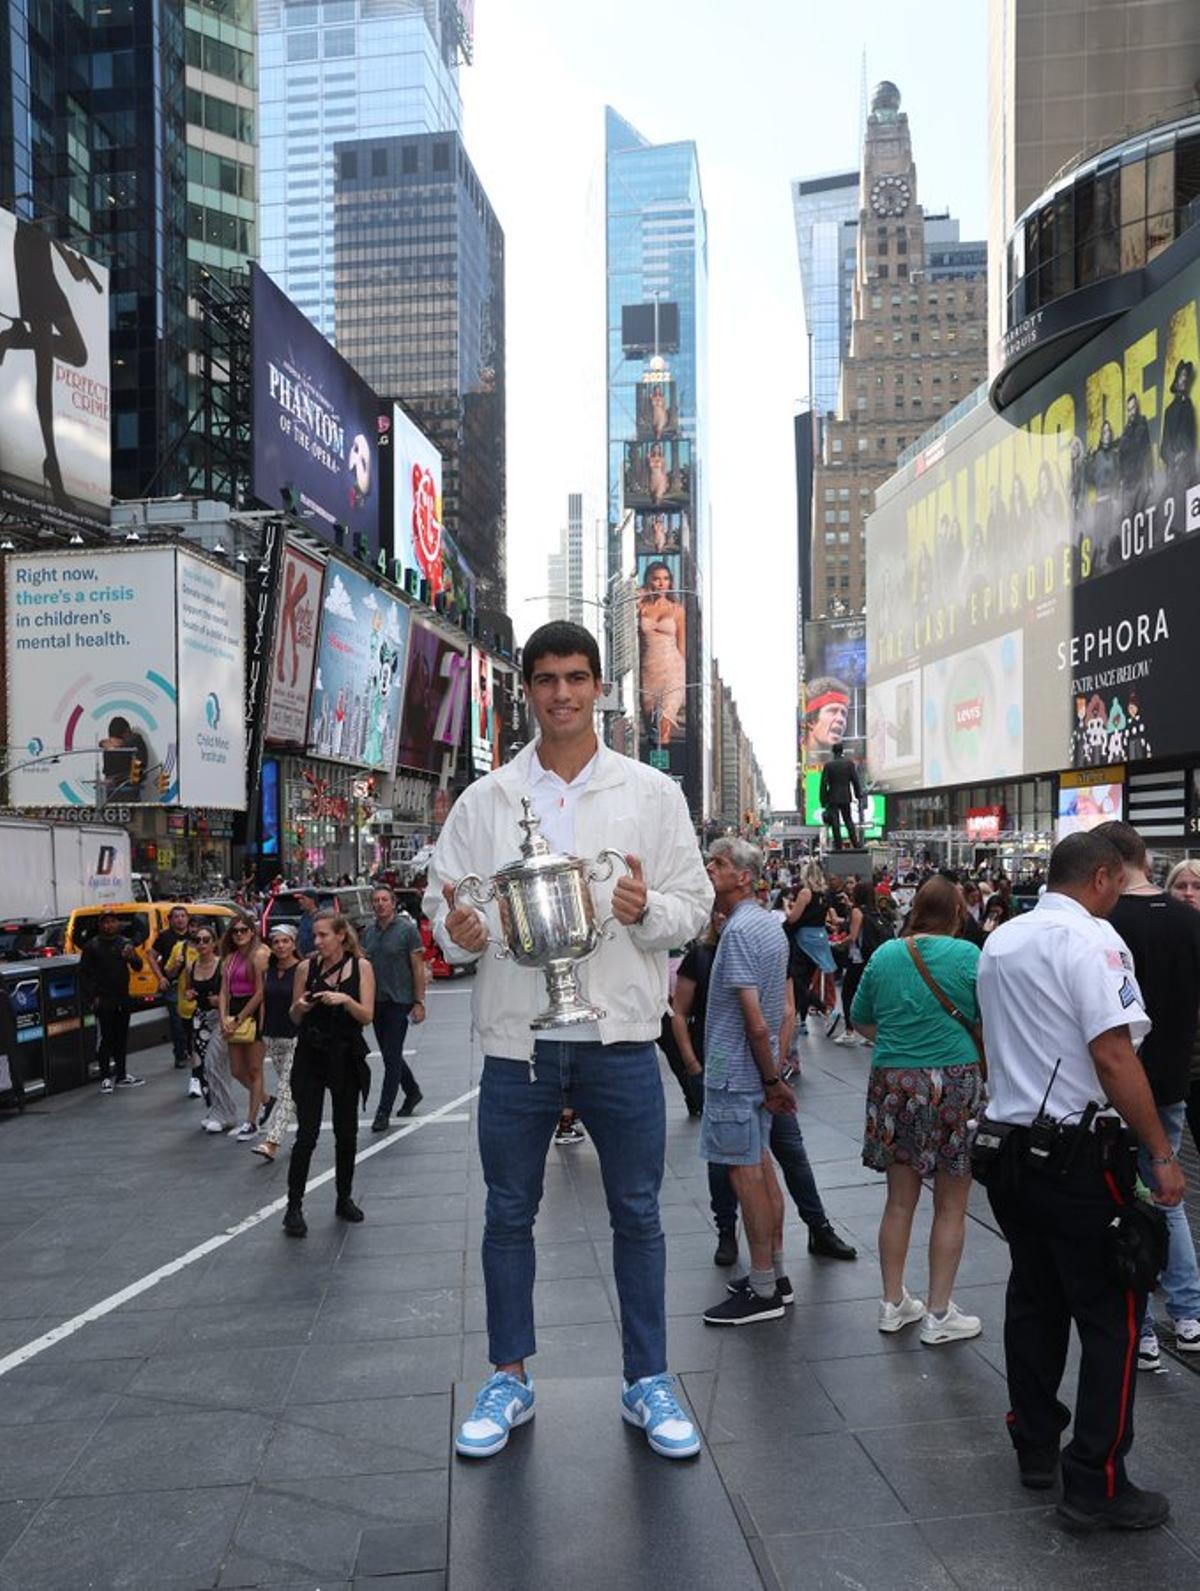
(243,964)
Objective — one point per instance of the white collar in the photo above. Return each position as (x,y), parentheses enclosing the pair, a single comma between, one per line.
(540,775)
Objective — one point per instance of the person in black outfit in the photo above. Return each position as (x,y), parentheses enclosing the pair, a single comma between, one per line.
(1178,446)
(1164,937)
(840,784)
(104,973)
(333,1000)
(125,761)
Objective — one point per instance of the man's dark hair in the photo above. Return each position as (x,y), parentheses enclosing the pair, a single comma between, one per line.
(838,750)
(118,726)
(560,639)
(1075,859)
(1126,839)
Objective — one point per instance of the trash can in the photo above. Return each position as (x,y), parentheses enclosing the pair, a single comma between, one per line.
(66,1054)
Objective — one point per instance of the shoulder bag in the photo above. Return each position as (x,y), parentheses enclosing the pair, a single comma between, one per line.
(947,1005)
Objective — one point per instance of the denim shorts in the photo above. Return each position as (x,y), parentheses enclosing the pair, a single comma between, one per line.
(735,1129)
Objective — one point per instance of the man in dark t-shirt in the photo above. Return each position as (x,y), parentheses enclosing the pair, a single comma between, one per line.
(1163,936)
(104,973)
(175,933)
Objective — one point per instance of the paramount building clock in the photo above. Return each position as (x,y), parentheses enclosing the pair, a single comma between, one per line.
(890,195)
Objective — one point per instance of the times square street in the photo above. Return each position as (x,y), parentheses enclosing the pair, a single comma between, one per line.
(188,1399)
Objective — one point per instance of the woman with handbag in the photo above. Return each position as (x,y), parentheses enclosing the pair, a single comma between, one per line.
(811,953)
(243,966)
(917,1003)
(333,1000)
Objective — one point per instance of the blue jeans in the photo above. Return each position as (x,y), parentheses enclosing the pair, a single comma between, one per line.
(1181,1279)
(391,1029)
(617,1092)
(787,1145)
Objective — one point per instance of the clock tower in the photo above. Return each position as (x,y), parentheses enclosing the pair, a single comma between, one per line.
(917,348)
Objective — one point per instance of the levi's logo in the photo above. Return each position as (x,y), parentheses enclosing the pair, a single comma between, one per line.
(969,714)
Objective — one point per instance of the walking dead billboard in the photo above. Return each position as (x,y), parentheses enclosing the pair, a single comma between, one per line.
(1030,589)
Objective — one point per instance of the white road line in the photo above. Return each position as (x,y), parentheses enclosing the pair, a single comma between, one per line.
(20,1356)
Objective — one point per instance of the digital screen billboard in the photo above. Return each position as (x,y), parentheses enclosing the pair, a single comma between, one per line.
(1086,800)
(658,474)
(660,532)
(870,816)
(357,690)
(833,711)
(55,445)
(662,616)
(315,425)
(483,713)
(125,675)
(436,688)
(295,651)
(650,328)
(417,501)
(657,408)
(1029,584)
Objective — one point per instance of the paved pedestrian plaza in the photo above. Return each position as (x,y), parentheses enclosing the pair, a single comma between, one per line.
(255,1411)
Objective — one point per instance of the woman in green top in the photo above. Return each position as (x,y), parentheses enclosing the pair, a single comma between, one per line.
(926,1087)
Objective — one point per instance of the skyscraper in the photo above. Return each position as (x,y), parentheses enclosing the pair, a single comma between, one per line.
(341,70)
(916,350)
(826,214)
(1062,79)
(93,149)
(573,581)
(657,363)
(418,286)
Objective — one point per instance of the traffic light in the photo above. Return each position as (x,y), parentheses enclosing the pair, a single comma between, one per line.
(164,781)
(135,770)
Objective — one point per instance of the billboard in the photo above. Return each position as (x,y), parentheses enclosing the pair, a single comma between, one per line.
(54,376)
(835,671)
(657,408)
(418,539)
(315,421)
(295,649)
(662,659)
(435,699)
(1036,568)
(660,532)
(210,645)
(650,328)
(1086,800)
(484,739)
(870,815)
(125,676)
(356,695)
(658,474)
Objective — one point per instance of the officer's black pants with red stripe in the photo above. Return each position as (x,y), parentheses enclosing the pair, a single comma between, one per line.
(1056,1230)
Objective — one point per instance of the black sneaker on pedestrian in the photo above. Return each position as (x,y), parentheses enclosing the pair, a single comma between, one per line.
(1131,1509)
(380,1124)
(409,1103)
(268,1107)
(745,1308)
(1038,1467)
(180,1063)
(823,1240)
(727,1247)
(294,1223)
(348,1210)
(784,1290)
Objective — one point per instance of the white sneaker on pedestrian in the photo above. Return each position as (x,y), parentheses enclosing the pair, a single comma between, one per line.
(194,1089)
(953,1326)
(209,1125)
(1187,1336)
(1148,1355)
(106,1085)
(893,1317)
(850,1040)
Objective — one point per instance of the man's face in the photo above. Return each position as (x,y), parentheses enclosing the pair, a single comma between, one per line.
(383,903)
(1107,885)
(726,878)
(562,693)
(830,725)
(179,920)
(109,927)
(308,903)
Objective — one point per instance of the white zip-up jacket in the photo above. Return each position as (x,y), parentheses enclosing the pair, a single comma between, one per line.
(632,808)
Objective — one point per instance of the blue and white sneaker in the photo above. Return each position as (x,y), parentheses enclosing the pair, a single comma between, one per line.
(652,1404)
(503,1402)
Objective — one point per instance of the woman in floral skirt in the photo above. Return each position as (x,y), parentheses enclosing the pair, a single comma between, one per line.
(926,1089)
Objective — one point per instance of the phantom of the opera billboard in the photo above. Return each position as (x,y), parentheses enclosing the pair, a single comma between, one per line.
(1031,578)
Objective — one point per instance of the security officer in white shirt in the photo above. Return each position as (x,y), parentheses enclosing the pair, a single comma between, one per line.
(1057,1151)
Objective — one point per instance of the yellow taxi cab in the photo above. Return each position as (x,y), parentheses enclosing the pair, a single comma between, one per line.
(142,922)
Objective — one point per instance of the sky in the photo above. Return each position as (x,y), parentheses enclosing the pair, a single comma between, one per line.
(769,92)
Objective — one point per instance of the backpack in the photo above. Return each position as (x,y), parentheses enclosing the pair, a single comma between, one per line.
(875,932)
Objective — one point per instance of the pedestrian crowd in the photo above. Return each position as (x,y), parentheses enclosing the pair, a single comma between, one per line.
(1049,1053)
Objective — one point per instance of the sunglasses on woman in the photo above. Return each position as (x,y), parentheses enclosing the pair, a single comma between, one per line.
(241,929)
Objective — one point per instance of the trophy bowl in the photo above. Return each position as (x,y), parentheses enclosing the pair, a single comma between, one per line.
(548,918)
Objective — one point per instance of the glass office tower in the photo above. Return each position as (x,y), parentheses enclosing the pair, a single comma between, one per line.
(330,72)
(418,283)
(826,213)
(657,256)
(93,148)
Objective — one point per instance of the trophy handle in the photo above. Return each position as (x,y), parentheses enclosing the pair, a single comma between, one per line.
(478,894)
(599,874)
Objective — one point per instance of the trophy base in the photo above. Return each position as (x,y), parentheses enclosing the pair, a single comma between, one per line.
(567,1008)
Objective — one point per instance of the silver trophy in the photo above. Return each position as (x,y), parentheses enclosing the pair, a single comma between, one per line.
(548,917)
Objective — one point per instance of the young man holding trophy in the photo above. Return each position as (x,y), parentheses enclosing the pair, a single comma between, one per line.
(593,1046)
